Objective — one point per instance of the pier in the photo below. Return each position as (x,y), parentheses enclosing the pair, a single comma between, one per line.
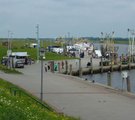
(78,67)
(101,69)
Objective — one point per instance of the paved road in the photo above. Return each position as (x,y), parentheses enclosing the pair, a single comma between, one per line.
(74,96)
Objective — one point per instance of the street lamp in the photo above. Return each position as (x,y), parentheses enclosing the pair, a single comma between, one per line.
(9,51)
(42,55)
(38,42)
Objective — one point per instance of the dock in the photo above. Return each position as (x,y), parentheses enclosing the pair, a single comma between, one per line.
(95,70)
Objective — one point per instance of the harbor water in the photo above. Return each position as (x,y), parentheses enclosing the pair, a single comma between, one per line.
(117,81)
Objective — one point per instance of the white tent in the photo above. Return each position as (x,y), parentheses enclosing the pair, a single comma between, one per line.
(98,53)
(82,46)
(33,45)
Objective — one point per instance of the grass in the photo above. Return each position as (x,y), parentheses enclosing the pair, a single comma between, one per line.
(20,46)
(22,107)
(9,70)
(54,56)
(122,42)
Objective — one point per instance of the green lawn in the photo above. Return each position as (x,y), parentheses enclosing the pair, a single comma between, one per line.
(20,46)
(9,70)
(22,107)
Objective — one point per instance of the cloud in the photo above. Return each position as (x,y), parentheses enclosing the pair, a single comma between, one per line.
(60,16)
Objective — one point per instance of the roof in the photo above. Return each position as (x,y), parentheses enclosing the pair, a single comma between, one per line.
(19,54)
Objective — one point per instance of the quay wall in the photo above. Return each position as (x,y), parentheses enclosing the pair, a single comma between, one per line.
(96,70)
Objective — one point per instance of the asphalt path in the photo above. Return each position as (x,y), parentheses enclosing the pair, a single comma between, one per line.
(74,96)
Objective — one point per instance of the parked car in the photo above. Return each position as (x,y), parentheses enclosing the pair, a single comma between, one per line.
(4,60)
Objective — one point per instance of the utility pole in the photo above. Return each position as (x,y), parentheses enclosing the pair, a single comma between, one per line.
(69,41)
(11,37)
(38,42)
(8,39)
(131,43)
(42,55)
(9,51)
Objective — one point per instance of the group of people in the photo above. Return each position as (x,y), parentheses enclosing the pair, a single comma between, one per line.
(54,66)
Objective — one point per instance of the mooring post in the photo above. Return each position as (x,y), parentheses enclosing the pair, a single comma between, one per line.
(111,65)
(91,71)
(109,79)
(70,69)
(120,67)
(129,65)
(120,64)
(128,84)
(66,63)
(52,66)
(101,64)
(80,68)
(59,69)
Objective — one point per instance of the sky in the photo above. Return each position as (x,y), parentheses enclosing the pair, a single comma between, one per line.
(74,18)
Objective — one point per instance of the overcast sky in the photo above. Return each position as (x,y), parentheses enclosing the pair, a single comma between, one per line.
(58,17)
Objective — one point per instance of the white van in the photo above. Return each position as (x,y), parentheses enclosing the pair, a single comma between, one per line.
(19,58)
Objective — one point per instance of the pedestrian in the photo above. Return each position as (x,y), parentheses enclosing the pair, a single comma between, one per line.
(62,65)
(48,67)
(45,68)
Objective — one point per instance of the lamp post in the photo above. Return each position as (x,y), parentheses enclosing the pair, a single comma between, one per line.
(38,42)
(9,51)
(42,55)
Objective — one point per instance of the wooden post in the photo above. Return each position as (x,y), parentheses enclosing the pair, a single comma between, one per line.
(52,66)
(129,65)
(91,70)
(101,64)
(66,63)
(128,84)
(120,67)
(80,69)
(59,69)
(109,79)
(70,69)
(111,68)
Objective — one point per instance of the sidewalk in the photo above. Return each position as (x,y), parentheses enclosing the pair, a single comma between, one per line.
(74,96)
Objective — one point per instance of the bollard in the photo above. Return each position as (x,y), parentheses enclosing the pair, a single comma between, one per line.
(80,72)
(70,69)
(120,67)
(101,70)
(101,65)
(129,66)
(80,69)
(59,69)
(111,68)
(52,66)
(91,70)
(128,84)
(66,63)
